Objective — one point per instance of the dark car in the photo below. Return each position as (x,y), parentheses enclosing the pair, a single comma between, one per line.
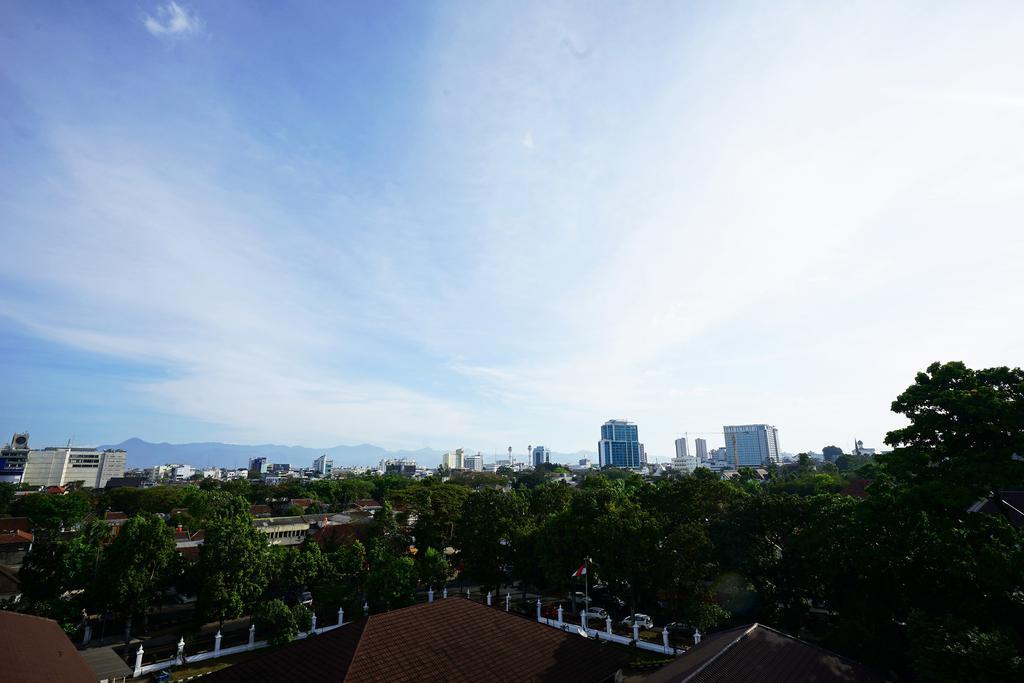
(681,628)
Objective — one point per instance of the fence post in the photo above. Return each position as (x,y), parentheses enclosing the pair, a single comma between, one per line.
(312,626)
(341,616)
(366,608)
(216,645)
(559,615)
(252,636)
(87,636)
(138,661)
(538,609)
(180,657)
(508,601)
(488,598)
(664,639)
(444,594)
(636,631)
(608,626)
(583,619)
(430,595)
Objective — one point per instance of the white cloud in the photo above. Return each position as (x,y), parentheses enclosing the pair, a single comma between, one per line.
(173,20)
(527,141)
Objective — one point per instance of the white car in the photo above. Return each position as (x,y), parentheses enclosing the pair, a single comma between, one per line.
(641,620)
(595,613)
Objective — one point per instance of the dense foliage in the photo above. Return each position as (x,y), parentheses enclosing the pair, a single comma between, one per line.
(899,574)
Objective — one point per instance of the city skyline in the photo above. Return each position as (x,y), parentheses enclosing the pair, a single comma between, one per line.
(422,225)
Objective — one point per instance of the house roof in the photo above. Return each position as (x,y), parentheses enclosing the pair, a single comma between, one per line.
(334,535)
(112,516)
(302,502)
(260,510)
(15,524)
(451,640)
(105,663)
(1013,502)
(366,503)
(756,652)
(16,537)
(34,650)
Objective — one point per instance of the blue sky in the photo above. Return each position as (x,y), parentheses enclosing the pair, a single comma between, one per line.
(483,224)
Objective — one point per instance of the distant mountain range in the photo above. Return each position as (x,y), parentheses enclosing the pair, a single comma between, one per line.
(215,454)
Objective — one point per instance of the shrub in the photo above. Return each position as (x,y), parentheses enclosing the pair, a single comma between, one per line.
(275,622)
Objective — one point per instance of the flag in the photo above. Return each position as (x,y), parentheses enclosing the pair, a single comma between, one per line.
(581,571)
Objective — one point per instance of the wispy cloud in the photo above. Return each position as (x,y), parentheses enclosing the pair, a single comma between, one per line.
(173,20)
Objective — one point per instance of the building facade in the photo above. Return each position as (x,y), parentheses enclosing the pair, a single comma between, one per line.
(13,458)
(259,465)
(682,448)
(474,463)
(454,460)
(701,445)
(753,445)
(56,466)
(323,465)
(620,445)
(541,456)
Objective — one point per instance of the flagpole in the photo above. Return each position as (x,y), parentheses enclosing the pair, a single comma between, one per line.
(586,583)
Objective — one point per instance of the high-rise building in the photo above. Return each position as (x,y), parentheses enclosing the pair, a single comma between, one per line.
(13,458)
(323,465)
(541,456)
(620,445)
(751,445)
(259,465)
(454,460)
(702,449)
(56,466)
(682,451)
(474,463)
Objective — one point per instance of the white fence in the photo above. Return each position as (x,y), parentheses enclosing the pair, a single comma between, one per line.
(217,651)
(607,634)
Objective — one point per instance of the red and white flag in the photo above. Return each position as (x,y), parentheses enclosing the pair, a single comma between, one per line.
(581,571)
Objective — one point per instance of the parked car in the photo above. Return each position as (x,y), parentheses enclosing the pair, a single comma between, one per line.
(641,620)
(580,597)
(306,598)
(595,613)
(680,628)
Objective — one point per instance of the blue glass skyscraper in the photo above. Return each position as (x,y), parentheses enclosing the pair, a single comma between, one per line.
(620,445)
(751,445)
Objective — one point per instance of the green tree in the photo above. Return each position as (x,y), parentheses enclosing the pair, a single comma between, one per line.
(490,522)
(391,580)
(433,567)
(52,513)
(233,568)
(275,622)
(135,567)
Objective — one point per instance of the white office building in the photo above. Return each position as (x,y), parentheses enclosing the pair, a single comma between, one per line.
(474,463)
(454,460)
(55,466)
(323,465)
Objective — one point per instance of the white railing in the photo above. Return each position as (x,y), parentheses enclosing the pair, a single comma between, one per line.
(607,634)
(180,658)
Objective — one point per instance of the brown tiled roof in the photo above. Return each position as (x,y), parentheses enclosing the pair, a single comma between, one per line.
(302,502)
(15,524)
(447,640)
(17,537)
(111,516)
(260,510)
(334,535)
(366,503)
(34,650)
(756,652)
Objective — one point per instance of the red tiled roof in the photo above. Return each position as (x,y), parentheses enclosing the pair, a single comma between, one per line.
(17,537)
(452,640)
(34,650)
(15,524)
(55,489)
(302,502)
(756,652)
(334,535)
(260,510)
(367,503)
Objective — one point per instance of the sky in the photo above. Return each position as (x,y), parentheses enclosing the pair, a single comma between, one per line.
(491,224)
